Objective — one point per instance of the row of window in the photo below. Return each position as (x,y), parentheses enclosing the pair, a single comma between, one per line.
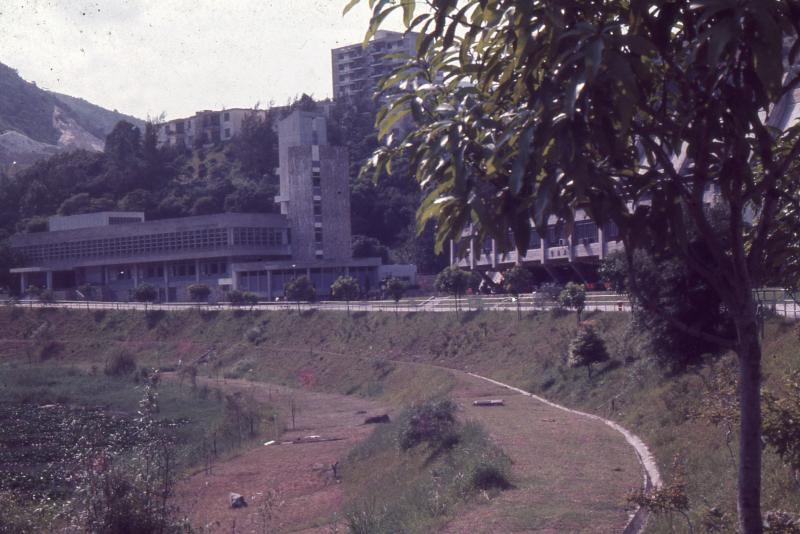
(203,239)
(261,236)
(175,270)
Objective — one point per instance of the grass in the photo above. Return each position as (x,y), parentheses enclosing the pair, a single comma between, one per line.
(383,355)
(397,488)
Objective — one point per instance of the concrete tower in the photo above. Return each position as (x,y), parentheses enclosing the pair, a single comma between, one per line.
(314,188)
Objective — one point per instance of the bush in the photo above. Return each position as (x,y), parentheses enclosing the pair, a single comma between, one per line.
(253,335)
(432,422)
(199,292)
(121,364)
(51,349)
(586,348)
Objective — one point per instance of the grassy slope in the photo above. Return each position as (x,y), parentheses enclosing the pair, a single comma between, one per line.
(349,355)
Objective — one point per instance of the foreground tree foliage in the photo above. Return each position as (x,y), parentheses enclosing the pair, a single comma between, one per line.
(632,110)
(676,292)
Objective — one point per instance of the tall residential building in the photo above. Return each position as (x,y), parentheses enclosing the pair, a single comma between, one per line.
(357,69)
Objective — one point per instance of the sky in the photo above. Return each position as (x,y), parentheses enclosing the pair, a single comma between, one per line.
(148,57)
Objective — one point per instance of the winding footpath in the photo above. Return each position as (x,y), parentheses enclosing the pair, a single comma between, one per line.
(570,470)
(652,476)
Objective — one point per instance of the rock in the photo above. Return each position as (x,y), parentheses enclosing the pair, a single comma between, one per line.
(376,419)
(236,500)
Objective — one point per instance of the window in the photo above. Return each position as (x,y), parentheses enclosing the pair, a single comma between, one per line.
(534,241)
(227,132)
(318,235)
(226,116)
(585,232)
(317,207)
(556,235)
(315,178)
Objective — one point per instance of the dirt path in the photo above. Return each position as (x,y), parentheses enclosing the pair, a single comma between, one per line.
(299,473)
(570,473)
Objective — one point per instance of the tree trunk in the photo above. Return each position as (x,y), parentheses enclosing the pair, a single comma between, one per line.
(749,498)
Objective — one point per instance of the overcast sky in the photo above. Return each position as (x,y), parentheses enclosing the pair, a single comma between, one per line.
(145,57)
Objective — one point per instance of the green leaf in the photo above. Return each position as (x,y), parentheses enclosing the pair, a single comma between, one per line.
(350,5)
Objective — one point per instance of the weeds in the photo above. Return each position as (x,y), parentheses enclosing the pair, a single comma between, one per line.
(433,462)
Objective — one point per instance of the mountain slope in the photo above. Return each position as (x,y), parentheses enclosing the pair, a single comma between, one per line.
(44,123)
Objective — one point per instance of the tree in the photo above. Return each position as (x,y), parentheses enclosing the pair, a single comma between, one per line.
(46,296)
(613,271)
(548,105)
(345,287)
(680,294)
(145,293)
(369,247)
(300,289)
(86,292)
(456,282)
(586,348)
(517,280)
(199,292)
(395,288)
(33,292)
(235,297)
(573,296)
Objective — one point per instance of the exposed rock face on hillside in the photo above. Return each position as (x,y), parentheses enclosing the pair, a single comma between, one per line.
(35,123)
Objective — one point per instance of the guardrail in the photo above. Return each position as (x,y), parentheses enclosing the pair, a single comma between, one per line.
(468,303)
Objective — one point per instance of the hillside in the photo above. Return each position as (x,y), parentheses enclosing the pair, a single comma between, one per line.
(337,353)
(47,122)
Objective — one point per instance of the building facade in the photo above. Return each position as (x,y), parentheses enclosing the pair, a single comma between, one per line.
(115,252)
(565,252)
(357,68)
(205,127)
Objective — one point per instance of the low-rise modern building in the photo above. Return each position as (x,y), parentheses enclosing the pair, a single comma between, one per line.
(205,127)
(114,252)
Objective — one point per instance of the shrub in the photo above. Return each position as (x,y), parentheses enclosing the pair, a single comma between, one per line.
(573,296)
(51,349)
(432,422)
(254,335)
(586,348)
(120,364)
(199,292)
